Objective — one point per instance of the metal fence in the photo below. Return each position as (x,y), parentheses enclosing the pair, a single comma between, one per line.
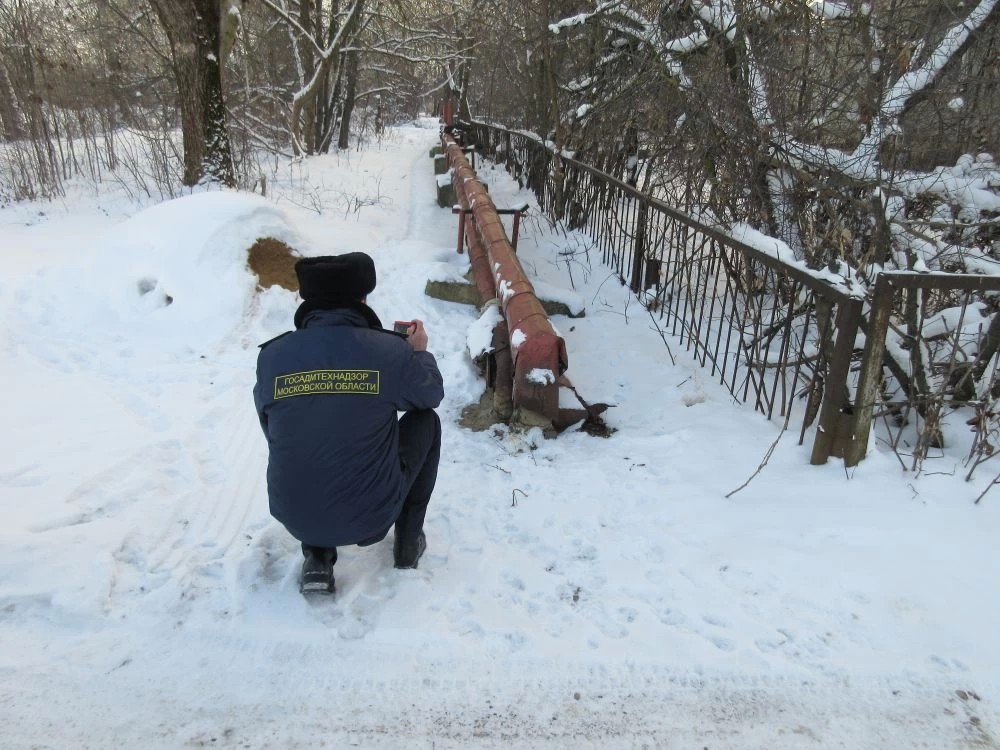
(778,337)
(934,338)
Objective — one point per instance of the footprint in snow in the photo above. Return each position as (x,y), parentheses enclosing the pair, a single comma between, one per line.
(513,581)
(671,617)
(269,560)
(723,644)
(354,609)
(714,621)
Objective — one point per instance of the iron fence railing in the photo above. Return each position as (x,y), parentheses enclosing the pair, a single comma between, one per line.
(777,336)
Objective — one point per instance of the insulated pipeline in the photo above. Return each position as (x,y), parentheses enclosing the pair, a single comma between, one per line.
(539,354)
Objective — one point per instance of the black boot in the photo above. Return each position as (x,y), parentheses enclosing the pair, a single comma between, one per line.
(407,554)
(317,571)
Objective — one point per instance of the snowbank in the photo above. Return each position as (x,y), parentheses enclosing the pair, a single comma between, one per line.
(172,278)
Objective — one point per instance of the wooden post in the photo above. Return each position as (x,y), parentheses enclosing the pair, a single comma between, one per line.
(831,433)
(871,371)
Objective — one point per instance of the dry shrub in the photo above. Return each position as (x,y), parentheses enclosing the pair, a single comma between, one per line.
(274,263)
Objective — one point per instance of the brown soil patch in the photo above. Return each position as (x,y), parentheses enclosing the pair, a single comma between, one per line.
(274,263)
(480,416)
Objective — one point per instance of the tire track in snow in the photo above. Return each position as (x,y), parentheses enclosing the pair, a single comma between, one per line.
(126,497)
(385,699)
(230,483)
(242,460)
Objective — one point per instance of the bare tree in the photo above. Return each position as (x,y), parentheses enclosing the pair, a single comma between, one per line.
(11,115)
(809,120)
(197,30)
(319,59)
(158,93)
(513,72)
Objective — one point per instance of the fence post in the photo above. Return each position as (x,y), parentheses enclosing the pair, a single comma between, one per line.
(653,266)
(835,413)
(639,250)
(871,371)
(461,230)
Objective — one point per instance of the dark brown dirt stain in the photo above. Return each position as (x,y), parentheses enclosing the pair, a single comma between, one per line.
(274,263)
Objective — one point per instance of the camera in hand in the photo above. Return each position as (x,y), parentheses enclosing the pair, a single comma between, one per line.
(402,326)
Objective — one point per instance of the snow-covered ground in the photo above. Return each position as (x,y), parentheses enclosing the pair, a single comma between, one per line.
(577,592)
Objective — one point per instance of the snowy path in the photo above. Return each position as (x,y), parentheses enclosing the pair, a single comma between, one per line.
(558,705)
(576,593)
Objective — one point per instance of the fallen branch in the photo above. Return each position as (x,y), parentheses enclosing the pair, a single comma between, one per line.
(763,463)
(996,480)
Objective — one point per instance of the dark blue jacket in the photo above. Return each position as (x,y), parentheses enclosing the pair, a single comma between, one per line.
(327,396)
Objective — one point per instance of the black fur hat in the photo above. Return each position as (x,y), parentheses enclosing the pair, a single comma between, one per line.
(350,276)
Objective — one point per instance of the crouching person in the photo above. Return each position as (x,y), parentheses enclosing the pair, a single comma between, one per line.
(341,468)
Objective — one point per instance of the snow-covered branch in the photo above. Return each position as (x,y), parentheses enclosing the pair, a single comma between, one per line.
(720,19)
(913,82)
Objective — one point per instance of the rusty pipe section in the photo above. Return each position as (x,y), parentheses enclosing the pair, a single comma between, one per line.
(502,376)
(539,354)
(478,258)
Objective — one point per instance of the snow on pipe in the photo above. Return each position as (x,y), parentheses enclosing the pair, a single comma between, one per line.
(539,354)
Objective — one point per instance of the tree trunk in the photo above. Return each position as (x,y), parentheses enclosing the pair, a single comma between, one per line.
(324,71)
(120,99)
(350,89)
(310,23)
(755,159)
(463,111)
(324,99)
(11,115)
(194,32)
(332,109)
